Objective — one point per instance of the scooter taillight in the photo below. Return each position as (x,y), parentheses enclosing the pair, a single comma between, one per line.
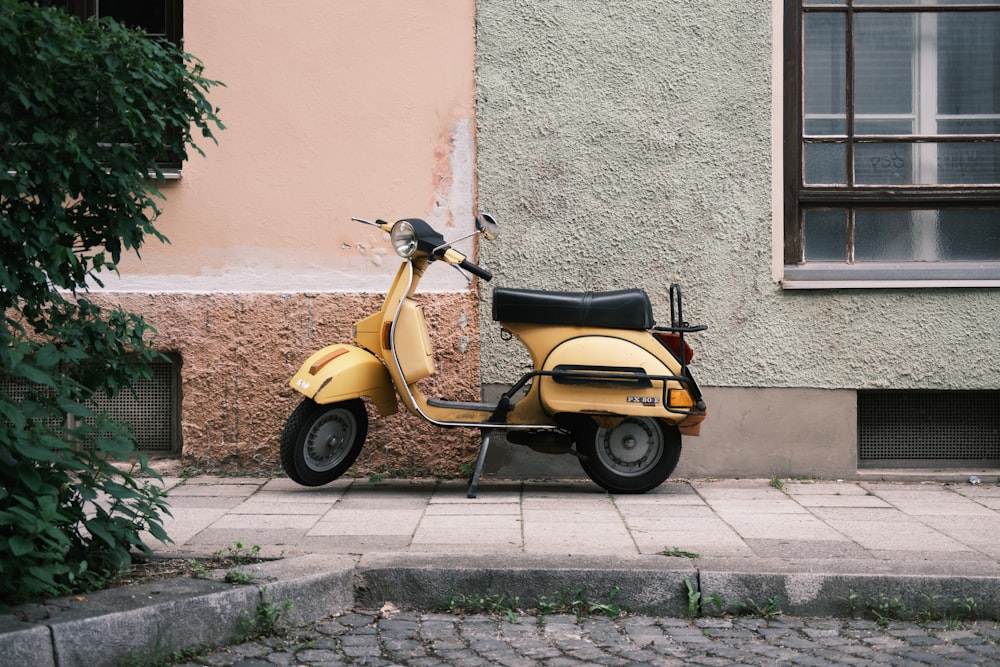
(672,341)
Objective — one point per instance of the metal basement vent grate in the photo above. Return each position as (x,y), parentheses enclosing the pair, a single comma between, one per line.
(928,429)
(152,409)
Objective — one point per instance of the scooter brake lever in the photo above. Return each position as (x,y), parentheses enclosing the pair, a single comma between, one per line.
(468,280)
(377,223)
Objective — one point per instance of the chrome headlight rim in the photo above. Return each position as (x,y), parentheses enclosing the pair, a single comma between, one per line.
(404,239)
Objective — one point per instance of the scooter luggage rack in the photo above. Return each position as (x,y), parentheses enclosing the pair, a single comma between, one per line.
(677,323)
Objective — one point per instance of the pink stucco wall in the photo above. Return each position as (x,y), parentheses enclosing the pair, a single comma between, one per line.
(332,110)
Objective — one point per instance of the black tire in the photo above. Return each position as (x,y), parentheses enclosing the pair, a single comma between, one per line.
(637,455)
(320,442)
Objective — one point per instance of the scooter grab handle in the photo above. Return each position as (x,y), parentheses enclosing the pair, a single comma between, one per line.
(455,258)
(476,270)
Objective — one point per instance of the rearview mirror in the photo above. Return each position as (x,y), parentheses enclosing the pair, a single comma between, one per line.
(487,225)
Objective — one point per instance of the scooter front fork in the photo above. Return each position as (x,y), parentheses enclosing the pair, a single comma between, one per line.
(483,446)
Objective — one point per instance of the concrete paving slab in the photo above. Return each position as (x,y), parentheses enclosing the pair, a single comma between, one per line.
(214,490)
(782,526)
(368,522)
(973,531)
(670,500)
(897,491)
(484,531)
(970,556)
(212,502)
(285,508)
(846,500)
(473,509)
(922,508)
(886,514)
(823,489)
(650,514)
(556,502)
(186,523)
(702,537)
(777,505)
(468,549)
(213,539)
(318,496)
(805,549)
(653,543)
(578,538)
(352,544)
(286,486)
(454,492)
(897,536)
(265,521)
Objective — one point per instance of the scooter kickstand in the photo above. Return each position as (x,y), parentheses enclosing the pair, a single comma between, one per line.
(483,446)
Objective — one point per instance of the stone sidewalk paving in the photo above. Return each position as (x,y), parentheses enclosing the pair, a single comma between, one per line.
(955,526)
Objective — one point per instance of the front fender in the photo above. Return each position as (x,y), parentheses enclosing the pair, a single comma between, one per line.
(342,372)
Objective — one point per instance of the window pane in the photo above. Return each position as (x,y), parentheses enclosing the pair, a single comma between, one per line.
(970,235)
(825,164)
(894,236)
(969,63)
(818,126)
(147,15)
(825,71)
(883,78)
(927,235)
(882,125)
(876,164)
(825,234)
(970,163)
(927,163)
(970,125)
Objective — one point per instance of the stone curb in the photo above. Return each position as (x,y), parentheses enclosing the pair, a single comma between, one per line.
(148,622)
(151,621)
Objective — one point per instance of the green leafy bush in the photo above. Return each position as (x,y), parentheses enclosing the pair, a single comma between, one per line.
(86,108)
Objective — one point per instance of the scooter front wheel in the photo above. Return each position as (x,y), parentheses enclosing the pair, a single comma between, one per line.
(320,442)
(633,457)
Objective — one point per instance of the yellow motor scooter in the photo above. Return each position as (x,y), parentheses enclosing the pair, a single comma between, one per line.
(607,385)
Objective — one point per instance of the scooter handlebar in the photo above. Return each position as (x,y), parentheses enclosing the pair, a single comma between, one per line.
(476,270)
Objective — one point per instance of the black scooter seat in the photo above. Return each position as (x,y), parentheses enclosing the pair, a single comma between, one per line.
(622,309)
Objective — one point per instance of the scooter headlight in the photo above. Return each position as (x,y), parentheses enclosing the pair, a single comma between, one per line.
(404,238)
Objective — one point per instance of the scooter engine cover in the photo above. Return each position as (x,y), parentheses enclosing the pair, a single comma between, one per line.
(606,375)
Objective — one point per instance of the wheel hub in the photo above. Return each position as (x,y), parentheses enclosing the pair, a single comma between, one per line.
(328,441)
(631,447)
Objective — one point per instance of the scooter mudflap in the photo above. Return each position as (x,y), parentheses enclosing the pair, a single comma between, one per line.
(483,446)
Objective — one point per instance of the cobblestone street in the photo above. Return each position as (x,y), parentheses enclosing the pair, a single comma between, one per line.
(431,639)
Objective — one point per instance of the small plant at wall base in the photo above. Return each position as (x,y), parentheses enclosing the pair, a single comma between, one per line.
(86,108)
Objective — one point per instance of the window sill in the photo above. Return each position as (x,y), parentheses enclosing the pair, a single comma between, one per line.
(876,275)
(169,173)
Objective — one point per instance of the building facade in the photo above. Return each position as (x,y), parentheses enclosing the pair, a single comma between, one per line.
(822,180)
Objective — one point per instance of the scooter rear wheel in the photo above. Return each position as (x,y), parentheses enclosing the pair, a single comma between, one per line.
(635,456)
(320,442)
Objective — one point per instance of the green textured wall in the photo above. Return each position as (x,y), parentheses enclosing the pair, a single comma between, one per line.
(628,143)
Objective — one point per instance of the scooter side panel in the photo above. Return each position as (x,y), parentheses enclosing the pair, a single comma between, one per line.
(602,358)
(342,372)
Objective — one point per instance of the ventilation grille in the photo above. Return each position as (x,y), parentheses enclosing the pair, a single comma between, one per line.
(151,408)
(951,429)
